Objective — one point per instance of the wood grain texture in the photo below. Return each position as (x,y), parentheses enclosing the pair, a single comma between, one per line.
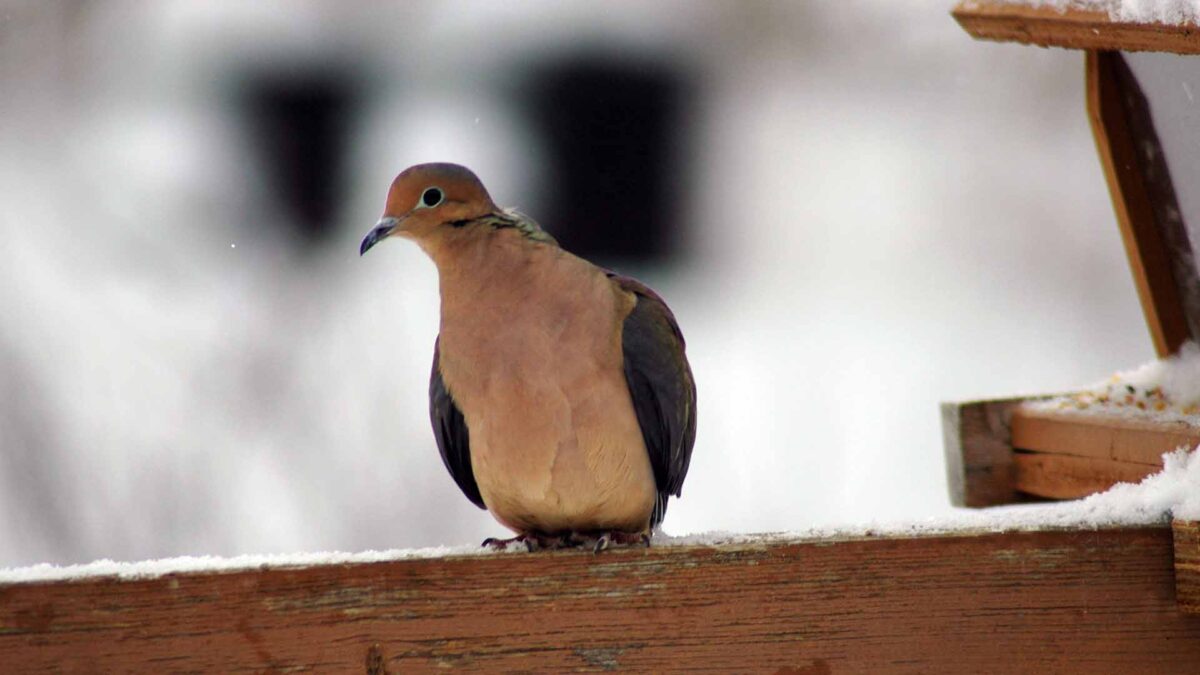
(1052,601)
(1066,477)
(1187,565)
(1072,29)
(1003,452)
(1066,455)
(1122,439)
(977,443)
(1140,186)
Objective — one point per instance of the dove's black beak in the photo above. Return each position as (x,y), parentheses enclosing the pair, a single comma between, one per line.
(383,228)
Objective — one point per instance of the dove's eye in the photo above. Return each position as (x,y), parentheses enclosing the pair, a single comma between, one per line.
(431,197)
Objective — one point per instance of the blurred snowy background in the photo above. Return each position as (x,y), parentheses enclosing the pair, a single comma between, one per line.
(855,211)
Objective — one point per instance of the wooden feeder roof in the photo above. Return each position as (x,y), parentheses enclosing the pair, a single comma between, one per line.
(1071,28)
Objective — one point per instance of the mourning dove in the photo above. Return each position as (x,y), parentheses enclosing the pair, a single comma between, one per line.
(561,397)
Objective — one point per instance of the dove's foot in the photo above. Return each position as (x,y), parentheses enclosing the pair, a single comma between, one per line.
(597,541)
(533,541)
(618,538)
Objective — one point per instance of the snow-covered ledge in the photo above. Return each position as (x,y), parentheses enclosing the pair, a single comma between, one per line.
(1171,493)
(1036,587)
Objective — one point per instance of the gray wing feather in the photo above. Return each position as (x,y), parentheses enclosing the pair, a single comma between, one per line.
(450,432)
(663,389)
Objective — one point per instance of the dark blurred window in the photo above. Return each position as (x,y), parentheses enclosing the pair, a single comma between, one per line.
(613,130)
(299,124)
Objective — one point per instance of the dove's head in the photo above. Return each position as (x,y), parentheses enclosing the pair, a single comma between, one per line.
(430,202)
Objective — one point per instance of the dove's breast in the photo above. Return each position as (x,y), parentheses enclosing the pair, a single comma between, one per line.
(534,363)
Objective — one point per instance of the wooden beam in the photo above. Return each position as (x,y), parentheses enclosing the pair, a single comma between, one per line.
(1187,564)
(1071,28)
(1047,601)
(1066,455)
(1056,476)
(1123,439)
(1140,186)
(977,443)
(1004,452)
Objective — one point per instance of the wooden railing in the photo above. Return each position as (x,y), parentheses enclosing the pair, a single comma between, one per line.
(1043,601)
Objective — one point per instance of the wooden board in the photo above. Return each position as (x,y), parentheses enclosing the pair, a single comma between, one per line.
(1187,565)
(977,441)
(1121,439)
(1065,477)
(1052,601)
(1066,455)
(1004,452)
(1073,28)
(1142,194)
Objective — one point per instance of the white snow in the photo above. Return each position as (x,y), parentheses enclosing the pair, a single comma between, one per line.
(1135,11)
(1166,390)
(1174,491)
(149,569)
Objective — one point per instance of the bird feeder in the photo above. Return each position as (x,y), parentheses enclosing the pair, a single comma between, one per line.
(1143,103)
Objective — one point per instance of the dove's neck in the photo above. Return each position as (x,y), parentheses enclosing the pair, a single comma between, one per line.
(491,270)
(501,276)
(471,262)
